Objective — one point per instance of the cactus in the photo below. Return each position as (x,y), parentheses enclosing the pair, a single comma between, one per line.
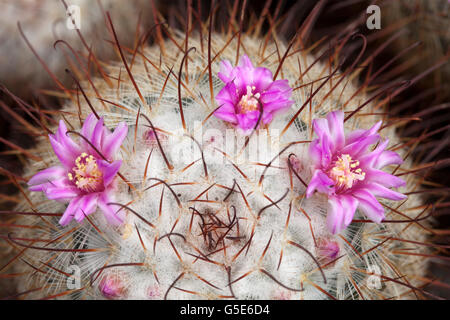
(211,212)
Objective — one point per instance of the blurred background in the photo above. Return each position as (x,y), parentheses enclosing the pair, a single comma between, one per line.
(411,43)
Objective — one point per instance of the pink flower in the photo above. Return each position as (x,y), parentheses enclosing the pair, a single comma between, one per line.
(349,173)
(327,250)
(112,286)
(245,88)
(84,179)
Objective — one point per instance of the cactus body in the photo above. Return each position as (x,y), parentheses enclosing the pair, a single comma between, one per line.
(207,216)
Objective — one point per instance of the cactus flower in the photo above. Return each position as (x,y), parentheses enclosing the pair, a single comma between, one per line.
(85,179)
(112,287)
(348,172)
(327,250)
(245,88)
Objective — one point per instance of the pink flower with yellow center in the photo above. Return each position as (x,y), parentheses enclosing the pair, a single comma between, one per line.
(246,87)
(86,178)
(348,172)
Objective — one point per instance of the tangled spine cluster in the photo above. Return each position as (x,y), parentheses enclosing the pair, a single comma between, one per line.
(206,219)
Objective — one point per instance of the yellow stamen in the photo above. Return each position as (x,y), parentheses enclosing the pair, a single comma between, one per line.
(346,172)
(249,101)
(87,175)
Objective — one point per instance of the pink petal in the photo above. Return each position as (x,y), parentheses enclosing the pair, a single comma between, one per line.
(358,134)
(340,213)
(387,158)
(61,183)
(248,120)
(87,205)
(243,78)
(226,108)
(245,62)
(383,178)
(263,79)
(336,127)
(326,147)
(368,160)
(39,187)
(267,117)
(88,127)
(109,170)
(349,205)
(360,146)
(278,90)
(113,214)
(97,135)
(278,105)
(226,116)
(369,205)
(315,152)
(47,175)
(320,182)
(228,95)
(113,141)
(379,191)
(66,158)
(61,190)
(226,70)
(70,211)
(321,128)
(323,144)
(62,194)
(279,85)
(335,215)
(67,142)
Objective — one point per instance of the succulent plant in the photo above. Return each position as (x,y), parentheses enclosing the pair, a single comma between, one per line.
(205,210)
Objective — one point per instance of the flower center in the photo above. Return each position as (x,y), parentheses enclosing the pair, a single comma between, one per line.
(86,174)
(249,101)
(346,172)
